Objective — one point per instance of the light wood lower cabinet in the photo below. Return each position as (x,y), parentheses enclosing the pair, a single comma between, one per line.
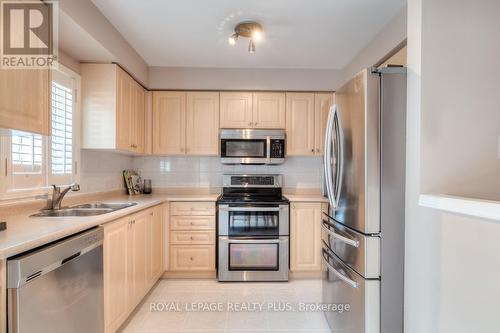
(133,249)
(305,236)
(116,274)
(192,236)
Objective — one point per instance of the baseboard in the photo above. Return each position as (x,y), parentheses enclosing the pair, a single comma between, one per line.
(305,275)
(188,275)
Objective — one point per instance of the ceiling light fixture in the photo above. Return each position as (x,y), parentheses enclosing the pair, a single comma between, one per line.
(252,30)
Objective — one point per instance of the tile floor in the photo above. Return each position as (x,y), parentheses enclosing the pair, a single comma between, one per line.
(170,307)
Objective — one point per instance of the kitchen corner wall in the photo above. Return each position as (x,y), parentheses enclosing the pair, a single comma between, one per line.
(298,172)
(102,170)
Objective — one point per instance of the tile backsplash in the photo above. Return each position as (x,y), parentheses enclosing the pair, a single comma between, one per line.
(298,172)
(102,170)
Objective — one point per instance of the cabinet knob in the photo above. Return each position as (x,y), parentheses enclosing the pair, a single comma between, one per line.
(250,124)
(255,124)
(317,150)
(191,223)
(312,150)
(191,258)
(192,238)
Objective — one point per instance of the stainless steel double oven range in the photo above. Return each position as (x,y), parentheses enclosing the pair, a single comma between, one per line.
(253,229)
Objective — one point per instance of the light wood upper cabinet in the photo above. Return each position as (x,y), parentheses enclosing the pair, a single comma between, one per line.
(322,104)
(252,110)
(116,276)
(112,109)
(300,124)
(268,110)
(306,117)
(185,123)
(305,236)
(236,110)
(169,122)
(202,123)
(25,100)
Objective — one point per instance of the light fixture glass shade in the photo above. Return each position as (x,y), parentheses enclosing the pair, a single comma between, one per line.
(256,35)
(251,46)
(232,40)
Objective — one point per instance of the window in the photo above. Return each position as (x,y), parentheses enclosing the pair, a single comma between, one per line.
(32,161)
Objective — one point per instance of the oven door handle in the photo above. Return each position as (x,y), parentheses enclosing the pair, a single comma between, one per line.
(251,209)
(253,241)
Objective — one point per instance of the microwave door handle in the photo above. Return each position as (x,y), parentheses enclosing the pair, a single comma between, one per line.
(341,276)
(268,150)
(337,234)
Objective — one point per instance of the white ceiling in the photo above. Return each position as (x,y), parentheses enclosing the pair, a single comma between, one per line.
(298,33)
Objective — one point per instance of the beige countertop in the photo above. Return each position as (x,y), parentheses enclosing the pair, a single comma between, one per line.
(306,198)
(24,233)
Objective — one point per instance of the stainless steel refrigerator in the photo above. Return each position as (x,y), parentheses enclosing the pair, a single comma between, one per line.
(363,234)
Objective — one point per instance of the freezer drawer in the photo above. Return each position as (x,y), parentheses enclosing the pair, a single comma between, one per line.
(341,285)
(360,252)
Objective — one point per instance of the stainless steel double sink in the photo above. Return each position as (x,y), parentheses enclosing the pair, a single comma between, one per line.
(89,209)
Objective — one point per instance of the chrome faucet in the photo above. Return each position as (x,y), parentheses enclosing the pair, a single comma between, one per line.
(58,195)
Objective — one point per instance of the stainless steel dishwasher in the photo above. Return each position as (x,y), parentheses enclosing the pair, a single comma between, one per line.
(58,287)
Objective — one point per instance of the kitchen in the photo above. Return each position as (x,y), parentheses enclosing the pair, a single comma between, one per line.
(197,171)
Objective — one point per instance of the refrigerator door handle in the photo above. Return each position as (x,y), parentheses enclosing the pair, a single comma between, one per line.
(328,157)
(337,234)
(341,276)
(340,155)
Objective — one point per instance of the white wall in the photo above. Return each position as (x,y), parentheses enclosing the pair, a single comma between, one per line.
(85,27)
(300,172)
(243,79)
(451,275)
(102,170)
(461,108)
(392,35)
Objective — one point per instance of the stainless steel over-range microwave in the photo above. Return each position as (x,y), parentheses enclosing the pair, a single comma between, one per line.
(252,146)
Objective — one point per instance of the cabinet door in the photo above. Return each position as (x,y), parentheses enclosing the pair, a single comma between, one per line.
(202,123)
(124,111)
(156,244)
(300,124)
(138,137)
(305,237)
(116,266)
(25,100)
(322,104)
(169,122)
(139,247)
(269,110)
(236,110)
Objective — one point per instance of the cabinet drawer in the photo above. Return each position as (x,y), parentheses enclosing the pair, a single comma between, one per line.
(192,208)
(192,223)
(192,258)
(192,237)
